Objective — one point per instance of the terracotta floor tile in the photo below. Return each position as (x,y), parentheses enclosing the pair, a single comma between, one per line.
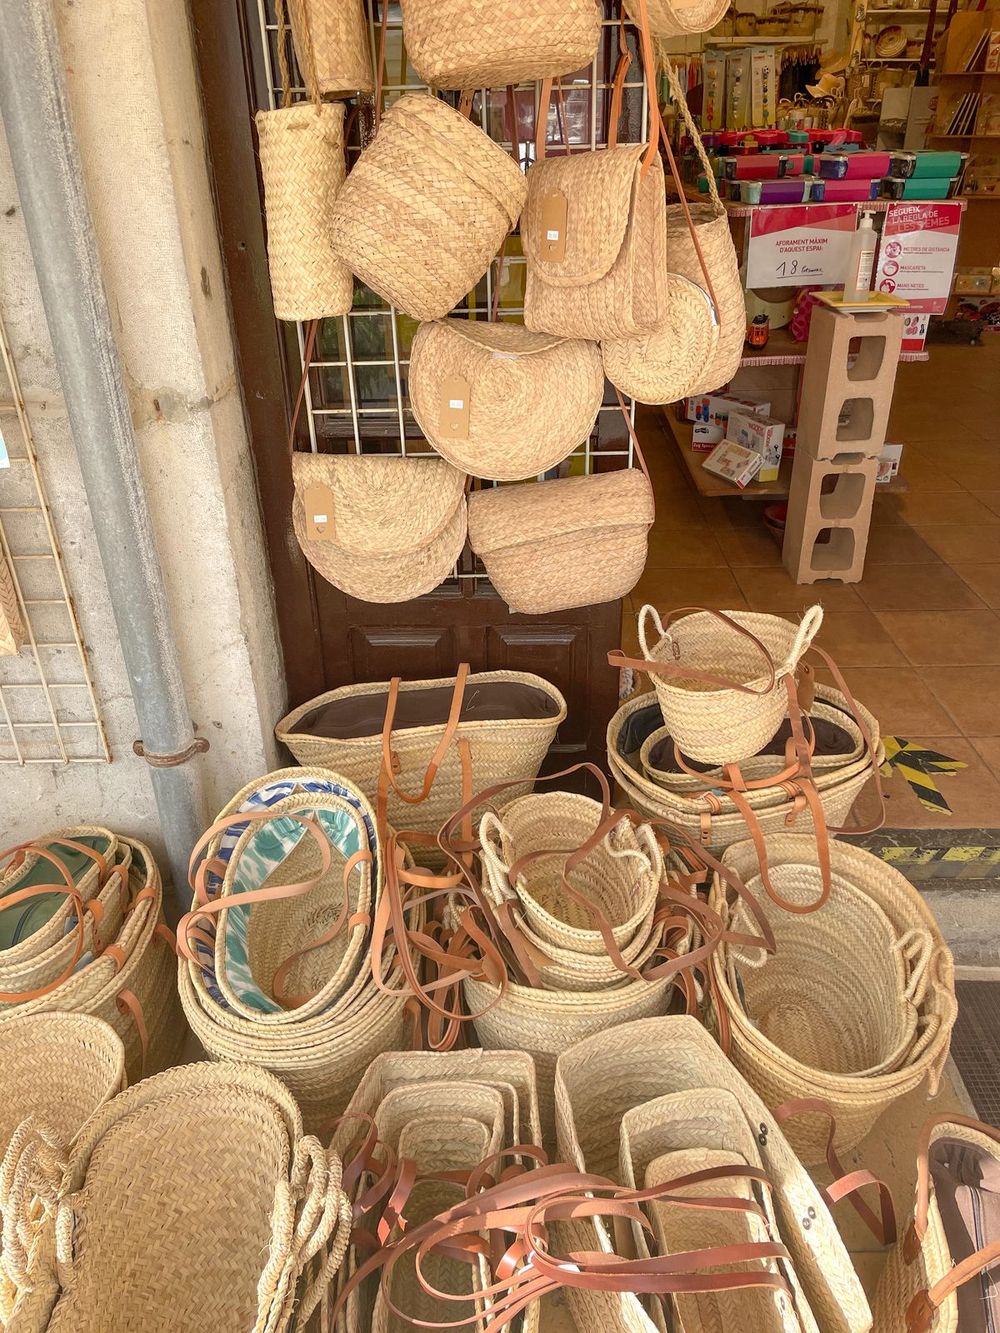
(916,588)
(983,579)
(974,476)
(989,748)
(750,546)
(773,590)
(924,508)
(946,638)
(991,499)
(683,546)
(667,588)
(922,472)
(970,694)
(973,543)
(898,697)
(674,507)
(855,638)
(972,793)
(898,544)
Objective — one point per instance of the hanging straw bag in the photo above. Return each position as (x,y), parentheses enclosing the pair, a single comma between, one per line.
(11,625)
(381,529)
(528,399)
(426,207)
(333,36)
(414,734)
(256,1224)
(940,1277)
(303,167)
(492,43)
(677,18)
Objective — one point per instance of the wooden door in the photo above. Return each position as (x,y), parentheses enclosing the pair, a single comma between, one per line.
(357,401)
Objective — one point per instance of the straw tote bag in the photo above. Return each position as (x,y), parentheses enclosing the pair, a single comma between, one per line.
(528,398)
(303,167)
(491,43)
(11,626)
(114,1236)
(333,35)
(379,528)
(941,1277)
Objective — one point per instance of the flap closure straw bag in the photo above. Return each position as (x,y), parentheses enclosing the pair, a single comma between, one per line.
(552,545)
(303,167)
(530,398)
(491,43)
(426,206)
(941,1278)
(333,34)
(114,1237)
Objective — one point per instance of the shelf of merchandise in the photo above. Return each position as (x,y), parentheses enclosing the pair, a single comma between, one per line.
(761,40)
(783,350)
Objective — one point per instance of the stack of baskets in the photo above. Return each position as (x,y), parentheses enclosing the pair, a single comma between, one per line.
(857,1004)
(285,981)
(81,911)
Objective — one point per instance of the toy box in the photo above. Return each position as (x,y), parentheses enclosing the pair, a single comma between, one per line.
(763,435)
(733,462)
(710,414)
(888,462)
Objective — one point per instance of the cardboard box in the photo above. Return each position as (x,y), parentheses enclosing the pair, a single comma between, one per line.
(733,462)
(888,463)
(764,435)
(788,442)
(704,437)
(714,408)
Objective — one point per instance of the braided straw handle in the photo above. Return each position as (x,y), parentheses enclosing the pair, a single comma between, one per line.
(807,631)
(321,1227)
(32,1185)
(496,881)
(677,93)
(917,949)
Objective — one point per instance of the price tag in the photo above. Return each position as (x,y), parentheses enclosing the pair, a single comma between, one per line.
(318,503)
(798,245)
(554,214)
(454,407)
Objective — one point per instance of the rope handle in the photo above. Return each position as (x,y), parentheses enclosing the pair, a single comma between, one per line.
(680,100)
(917,949)
(32,1188)
(296,19)
(808,629)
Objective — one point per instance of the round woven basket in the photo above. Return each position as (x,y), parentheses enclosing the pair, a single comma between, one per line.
(667,19)
(669,363)
(426,207)
(333,34)
(716,725)
(532,398)
(492,43)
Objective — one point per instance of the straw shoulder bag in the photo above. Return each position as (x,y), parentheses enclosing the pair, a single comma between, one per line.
(492,43)
(380,528)
(527,399)
(552,545)
(677,18)
(940,1278)
(11,626)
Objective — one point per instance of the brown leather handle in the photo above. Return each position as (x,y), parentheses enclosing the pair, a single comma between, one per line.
(440,750)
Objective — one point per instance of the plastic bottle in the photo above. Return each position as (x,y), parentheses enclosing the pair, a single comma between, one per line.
(857,286)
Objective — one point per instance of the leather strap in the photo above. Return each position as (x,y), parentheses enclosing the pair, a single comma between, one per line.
(9,900)
(440,750)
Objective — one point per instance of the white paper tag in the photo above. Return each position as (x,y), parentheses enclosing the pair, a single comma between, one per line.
(4,456)
(456,404)
(552,235)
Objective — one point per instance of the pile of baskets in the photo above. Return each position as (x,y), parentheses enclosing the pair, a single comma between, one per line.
(81,917)
(857,1003)
(279,969)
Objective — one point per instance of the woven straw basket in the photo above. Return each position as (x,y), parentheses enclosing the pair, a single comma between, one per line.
(302,163)
(11,625)
(920,1291)
(719,725)
(612,281)
(395,526)
(600,1080)
(531,398)
(508,718)
(669,363)
(857,1099)
(675,18)
(492,43)
(129,1240)
(426,207)
(333,34)
(553,545)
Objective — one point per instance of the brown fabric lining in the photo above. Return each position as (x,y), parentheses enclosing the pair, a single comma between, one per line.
(967,1189)
(830,740)
(362,715)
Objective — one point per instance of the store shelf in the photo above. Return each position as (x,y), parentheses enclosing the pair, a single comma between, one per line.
(932,134)
(892,60)
(783,350)
(762,40)
(981,197)
(968,74)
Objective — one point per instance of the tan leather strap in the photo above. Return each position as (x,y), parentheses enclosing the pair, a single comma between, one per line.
(9,900)
(637,447)
(307,354)
(673,671)
(440,750)
(380,69)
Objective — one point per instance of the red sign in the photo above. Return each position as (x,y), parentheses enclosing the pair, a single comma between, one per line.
(916,258)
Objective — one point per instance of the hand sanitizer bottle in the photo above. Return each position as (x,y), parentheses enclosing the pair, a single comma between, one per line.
(857,286)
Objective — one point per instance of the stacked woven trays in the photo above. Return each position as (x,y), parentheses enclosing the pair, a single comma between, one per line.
(81,912)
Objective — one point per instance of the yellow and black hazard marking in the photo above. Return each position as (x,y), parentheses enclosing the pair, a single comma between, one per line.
(919,766)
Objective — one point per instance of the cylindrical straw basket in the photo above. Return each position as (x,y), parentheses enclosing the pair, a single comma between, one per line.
(669,363)
(724,725)
(334,34)
(426,207)
(302,163)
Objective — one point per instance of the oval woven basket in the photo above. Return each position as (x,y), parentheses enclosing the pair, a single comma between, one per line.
(669,363)
(426,207)
(492,43)
(85,856)
(532,398)
(669,19)
(724,725)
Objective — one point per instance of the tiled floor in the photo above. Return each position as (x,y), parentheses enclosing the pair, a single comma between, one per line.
(919,637)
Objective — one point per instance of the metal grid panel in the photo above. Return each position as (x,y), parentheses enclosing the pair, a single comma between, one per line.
(356,393)
(48,708)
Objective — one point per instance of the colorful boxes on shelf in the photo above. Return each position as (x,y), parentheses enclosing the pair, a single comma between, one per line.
(733,462)
(918,187)
(854,166)
(763,435)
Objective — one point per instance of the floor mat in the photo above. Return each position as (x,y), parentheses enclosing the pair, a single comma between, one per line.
(975,1045)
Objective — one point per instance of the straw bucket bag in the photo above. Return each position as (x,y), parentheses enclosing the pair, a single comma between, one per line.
(486,44)
(333,36)
(11,626)
(528,399)
(248,1233)
(677,18)
(303,167)
(940,1278)
(381,529)
(869,1013)
(600,1080)
(414,734)
(720,676)
(426,207)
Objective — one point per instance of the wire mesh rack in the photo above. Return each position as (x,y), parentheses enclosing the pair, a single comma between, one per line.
(356,395)
(48,706)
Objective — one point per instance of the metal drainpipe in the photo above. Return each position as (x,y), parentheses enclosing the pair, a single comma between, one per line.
(36,119)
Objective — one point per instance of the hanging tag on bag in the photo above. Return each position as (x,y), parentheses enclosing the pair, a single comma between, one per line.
(318,503)
(454,411)
(806,686)
(554,214)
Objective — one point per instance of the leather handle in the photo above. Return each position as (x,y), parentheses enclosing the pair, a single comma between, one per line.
(440,750)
